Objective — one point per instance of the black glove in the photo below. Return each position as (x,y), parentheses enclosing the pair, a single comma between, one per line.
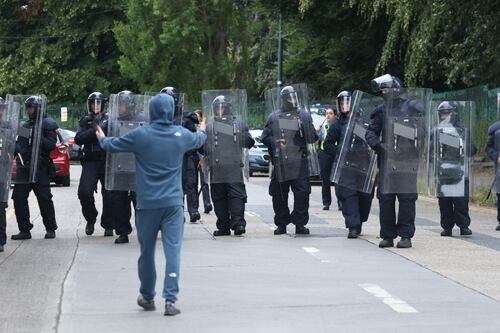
(379,149)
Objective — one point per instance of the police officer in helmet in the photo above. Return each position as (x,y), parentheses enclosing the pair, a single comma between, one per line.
(391,88)
(41,188)
(454,210)
(289,154)
(93,162)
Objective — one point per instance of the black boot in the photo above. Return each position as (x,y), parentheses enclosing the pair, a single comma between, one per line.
(89,228)
(1,248)
(446,233)
(326,207)
(208,209)
(222,232)
(108,232)
(301,230)
(195,217)
(386,242)
(404,243)
(21,235)
(353,233)
(498,227)
(122,239)
(239,230)
(465,231)
(50,234)
(280,230)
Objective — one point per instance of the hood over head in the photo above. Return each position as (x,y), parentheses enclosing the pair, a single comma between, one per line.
(161,109)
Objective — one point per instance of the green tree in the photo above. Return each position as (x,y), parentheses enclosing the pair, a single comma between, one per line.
(64,49)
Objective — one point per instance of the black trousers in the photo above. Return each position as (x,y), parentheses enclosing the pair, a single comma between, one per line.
(454,211)
(325,165)
(229,204)
(92,173)
(205,188)
(355,206)
(404,226)
(189,182)
(122,212)
(3,223)
(279,192)
(44,197)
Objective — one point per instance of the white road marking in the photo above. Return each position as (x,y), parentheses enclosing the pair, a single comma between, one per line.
(395,303)
(315,253)
(249,214)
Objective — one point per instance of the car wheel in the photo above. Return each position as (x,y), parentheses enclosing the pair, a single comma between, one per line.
(65,181)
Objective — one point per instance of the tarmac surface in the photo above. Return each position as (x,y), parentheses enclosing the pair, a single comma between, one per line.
(258,282)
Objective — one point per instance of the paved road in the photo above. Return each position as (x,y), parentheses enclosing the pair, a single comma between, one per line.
(259,282)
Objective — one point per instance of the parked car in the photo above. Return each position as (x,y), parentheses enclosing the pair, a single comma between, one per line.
(256,154)
(60,157)
(73,148)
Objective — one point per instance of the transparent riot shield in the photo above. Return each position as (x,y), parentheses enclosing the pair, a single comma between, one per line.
(355,165)
(496,181)
(9,120)
(31,110)
(126,113)
(293,154)
(227,135)
(451,147)
(405,162)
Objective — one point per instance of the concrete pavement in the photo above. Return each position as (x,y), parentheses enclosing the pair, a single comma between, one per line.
(258,282)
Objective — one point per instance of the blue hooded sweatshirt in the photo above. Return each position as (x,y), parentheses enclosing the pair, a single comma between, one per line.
(159,149)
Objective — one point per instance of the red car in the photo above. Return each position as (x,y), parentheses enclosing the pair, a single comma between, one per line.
(60,157)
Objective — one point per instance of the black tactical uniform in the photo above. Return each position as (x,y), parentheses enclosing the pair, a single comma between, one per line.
(41,187)
(356,205)
(93,166)
(493,152)
(300,183)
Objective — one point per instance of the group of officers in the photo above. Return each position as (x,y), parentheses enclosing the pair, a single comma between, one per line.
(393,130)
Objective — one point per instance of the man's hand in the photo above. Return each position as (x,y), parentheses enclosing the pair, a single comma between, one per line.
(99,133)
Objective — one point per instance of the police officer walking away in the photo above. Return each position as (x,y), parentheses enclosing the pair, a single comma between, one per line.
(227,139)
(93,165)
(33,148)
(493,152)
(397,133)
(326,159)
(356,204)
(289,134)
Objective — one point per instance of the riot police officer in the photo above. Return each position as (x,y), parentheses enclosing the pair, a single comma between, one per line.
(453,177)
(289,156)
(224,154)
(493,152)
(3,204)
(190,162)
(355,204)
(402,185)
(93,165)
(45,167)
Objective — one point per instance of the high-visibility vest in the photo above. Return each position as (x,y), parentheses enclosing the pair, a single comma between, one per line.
(324,127)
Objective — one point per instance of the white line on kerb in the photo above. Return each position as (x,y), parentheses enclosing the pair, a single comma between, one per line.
(315,253)
(396,304)
(249,214)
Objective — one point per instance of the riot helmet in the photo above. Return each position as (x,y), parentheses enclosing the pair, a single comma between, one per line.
(96,103)
(448,111)
(221,106)
(33,104)
(289,98)
(387,83)
(172,92)
(344,102)
(126,104)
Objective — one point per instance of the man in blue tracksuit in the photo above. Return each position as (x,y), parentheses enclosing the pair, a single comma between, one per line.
(159,149)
